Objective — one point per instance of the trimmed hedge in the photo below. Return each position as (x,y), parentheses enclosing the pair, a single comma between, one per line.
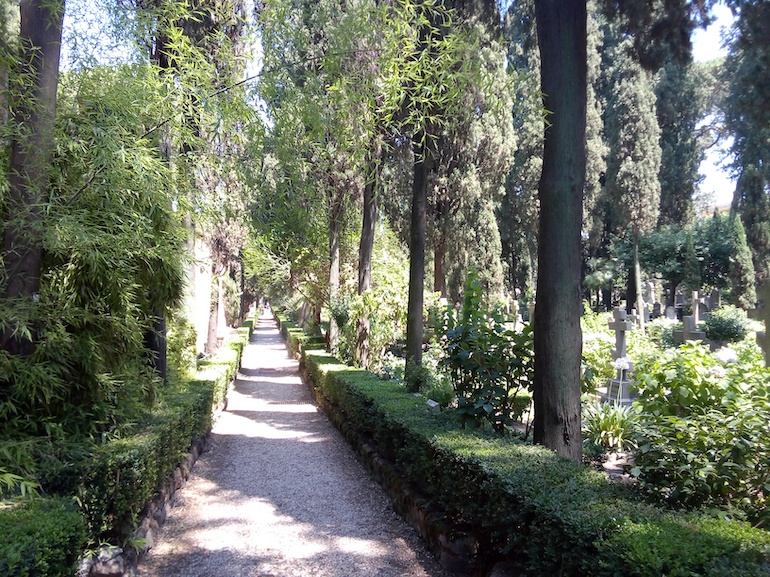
(41,537)
(115,481)
(121,477)
(545,514)
(296,339)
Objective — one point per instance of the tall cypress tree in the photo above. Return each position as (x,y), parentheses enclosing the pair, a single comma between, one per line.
(744,292)
(633,162)
(681,104)
(748,119)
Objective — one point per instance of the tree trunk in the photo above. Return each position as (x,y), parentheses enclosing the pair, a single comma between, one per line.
(34,111)
(211,341)
(561,31)
(638,283)
(365,250)
(335,222)
(414,323)
(439,263)
(155,342)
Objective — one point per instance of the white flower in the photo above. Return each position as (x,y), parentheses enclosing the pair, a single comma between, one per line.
(622,363)
(726,355)
(717,372)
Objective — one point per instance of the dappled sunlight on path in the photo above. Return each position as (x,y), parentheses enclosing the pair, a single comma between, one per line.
(280,493)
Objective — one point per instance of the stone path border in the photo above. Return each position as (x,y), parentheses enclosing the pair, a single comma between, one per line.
(280,493)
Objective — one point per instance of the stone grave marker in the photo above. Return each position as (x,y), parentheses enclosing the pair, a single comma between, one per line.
(618,388)
(689,331)
(670,313)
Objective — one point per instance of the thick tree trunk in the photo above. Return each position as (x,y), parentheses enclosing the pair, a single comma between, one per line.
(211,341)
(155,342)
(638,283)
(414,322)
(365,251)
(335,222)
(439,264)
(561,31)
(33,113)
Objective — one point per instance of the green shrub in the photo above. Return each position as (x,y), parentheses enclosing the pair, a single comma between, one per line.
(596,362)
(727,324)
(182,348)
(661,332)
(490,362)
(441,391)
(679,381)
(609,425)
(40,538)
(704,439)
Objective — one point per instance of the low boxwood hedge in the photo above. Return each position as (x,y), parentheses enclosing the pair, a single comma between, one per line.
(296,339)
(113,482)
(546,515)
(41,537)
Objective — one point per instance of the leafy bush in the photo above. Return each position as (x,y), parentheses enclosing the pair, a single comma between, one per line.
(609,425)
(597,365)
(661,332)
(679,381)
(727,324)
(182,351)
(490,363)
(41,537)
(704,439)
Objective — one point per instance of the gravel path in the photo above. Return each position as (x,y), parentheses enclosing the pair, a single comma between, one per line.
(280,493)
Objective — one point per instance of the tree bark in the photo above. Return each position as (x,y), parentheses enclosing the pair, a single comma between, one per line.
(366,248)
(561,31)
(34,111)
(638,283)
(414,321)
(335,223)
(212,343)
(439,252)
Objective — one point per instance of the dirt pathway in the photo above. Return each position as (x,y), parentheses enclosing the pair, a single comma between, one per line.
(280,493)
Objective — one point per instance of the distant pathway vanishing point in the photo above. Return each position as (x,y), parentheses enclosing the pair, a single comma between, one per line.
(279,493)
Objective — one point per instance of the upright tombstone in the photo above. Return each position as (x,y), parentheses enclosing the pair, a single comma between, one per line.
(689,331)
(763,337)
(633,318)
(531,310)
(618,388)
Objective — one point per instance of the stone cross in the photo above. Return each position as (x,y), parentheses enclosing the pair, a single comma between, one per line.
(763,337)
(690,330)
(620,325)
